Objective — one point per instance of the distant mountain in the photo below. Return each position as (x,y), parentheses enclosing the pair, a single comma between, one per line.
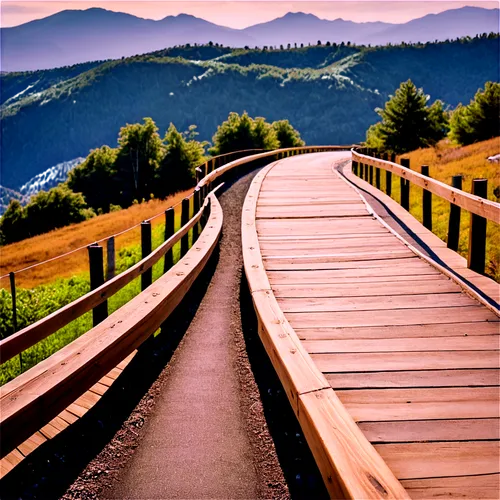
(76,36)
(466,21)
(329,93)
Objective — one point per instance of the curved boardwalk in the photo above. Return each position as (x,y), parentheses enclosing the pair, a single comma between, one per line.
(411,356)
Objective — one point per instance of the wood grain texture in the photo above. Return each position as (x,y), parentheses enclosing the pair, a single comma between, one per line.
(411,354)
(35,397)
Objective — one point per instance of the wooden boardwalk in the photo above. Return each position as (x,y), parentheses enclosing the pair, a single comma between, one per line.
(410,354)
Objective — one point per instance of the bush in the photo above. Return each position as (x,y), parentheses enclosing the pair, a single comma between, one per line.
(287,136)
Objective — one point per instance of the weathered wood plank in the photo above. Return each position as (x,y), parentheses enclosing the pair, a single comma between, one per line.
(426,378)
(427,460)
(431,430)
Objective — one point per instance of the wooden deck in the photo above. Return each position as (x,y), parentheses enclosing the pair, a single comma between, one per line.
(410,354)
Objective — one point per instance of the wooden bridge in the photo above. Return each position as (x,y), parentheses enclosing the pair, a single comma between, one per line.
(388,354)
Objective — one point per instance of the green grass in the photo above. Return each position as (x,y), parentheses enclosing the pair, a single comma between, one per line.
(36,303)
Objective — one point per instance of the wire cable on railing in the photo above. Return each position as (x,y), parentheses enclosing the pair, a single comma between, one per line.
(83,247)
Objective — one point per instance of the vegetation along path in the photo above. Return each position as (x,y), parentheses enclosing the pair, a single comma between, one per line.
(207,436)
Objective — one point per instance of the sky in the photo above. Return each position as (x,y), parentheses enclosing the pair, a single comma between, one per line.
(240,13)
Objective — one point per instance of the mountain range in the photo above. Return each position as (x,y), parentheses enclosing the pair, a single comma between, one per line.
(328,92)
(76,36)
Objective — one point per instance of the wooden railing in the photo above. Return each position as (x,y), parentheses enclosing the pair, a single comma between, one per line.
(368,167)
(36,396)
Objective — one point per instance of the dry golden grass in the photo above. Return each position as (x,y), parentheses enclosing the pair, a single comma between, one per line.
(46,246)
(446,160)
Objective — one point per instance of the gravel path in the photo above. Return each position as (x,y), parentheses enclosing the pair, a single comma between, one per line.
(196,442)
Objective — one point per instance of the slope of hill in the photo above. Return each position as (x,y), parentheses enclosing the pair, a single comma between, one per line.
(74,36)
(330,99)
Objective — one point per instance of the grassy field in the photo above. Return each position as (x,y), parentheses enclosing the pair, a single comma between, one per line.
(47,246)
(36,302)
(444,161)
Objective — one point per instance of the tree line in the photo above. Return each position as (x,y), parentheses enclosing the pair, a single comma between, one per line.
(409,123)
(142,166)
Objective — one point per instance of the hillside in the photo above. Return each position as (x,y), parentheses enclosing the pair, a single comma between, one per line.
(75,36)
(329,93)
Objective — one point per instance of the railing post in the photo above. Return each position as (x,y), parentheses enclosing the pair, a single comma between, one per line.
(454,220)
(426,202)
(96,265)
(388,177)
(110,258)
(361,167)
(169,231)
(405,186)
(146,248)
(196,208)
(184,221)
(355,167)
(371,175)
(477,231)
(12,278)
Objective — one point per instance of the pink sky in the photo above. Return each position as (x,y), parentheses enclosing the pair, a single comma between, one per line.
(241,13)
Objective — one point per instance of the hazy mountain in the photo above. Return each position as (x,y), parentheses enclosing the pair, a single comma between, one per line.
(76,36)
(467,21)
(307,28)
(329,93)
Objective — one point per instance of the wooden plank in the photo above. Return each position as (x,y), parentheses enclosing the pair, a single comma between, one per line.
(427,378)
(397,361)
(10,461)
(422,344)
(370,289)
(484,486)
(397,317)
(346,273)
(402,331)
(431,430)
(99,388)
(32,443)
(426,460)
(386,303)
(87,400)
(68,417)
(338,445)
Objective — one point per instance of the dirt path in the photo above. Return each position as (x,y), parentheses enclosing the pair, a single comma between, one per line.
(202,440)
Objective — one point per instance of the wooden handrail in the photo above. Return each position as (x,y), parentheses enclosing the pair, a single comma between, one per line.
(211,177)
(29,336)
(475,204)
(35,397)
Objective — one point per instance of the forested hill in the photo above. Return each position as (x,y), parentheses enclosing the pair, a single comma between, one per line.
(329,93)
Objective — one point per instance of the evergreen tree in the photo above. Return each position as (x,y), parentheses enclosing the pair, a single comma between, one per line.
(287,136)
(480,120)
(407,122)
(182,157)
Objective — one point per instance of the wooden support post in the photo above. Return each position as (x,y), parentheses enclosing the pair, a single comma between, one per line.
(405,186)
(367,172)
(371,175)
(426,202)
(169,231)
(454,220)
(361,168)
(377,177)
(388,177)
(12,278)
(184,221)
(355,167)
(146,247)
(477,231)
(196,208)
(110,258)
(96,265)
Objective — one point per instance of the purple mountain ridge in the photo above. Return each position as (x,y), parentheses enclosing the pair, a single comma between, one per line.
(74,36)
